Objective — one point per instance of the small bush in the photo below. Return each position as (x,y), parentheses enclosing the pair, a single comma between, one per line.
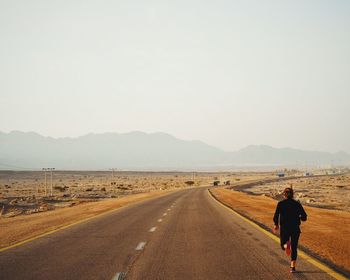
(60,188)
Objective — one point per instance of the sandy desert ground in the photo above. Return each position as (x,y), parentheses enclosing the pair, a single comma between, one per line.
(23,192)
(329,192)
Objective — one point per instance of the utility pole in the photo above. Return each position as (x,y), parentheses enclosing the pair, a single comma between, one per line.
(113,169)
(45,169)
(51,169)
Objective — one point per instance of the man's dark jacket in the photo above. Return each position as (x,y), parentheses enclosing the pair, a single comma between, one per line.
(289,212)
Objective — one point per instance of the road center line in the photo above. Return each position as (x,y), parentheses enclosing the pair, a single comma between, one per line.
(160,220)
(153,229)
(140,246)
(165,214)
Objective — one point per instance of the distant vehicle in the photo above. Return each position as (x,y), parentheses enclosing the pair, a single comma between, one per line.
(280,174)
(308,174)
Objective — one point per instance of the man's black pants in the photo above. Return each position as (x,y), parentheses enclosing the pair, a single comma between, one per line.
(291,234)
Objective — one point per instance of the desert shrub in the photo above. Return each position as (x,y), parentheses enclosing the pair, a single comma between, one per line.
(60,188)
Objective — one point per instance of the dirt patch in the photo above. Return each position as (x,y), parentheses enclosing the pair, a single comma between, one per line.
(330,192)
(326,232)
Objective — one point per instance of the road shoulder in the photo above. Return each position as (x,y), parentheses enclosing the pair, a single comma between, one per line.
(258,212)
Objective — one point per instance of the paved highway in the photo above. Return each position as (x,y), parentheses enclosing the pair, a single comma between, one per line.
(182,235)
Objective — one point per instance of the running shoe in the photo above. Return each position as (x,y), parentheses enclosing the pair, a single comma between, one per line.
(292,270)
(287,249)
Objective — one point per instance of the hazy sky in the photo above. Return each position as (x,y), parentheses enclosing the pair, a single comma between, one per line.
(229,73)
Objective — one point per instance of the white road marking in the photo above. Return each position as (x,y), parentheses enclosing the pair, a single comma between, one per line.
(140,246)
(152,229)
(169,209)
(165,214)
(160,220)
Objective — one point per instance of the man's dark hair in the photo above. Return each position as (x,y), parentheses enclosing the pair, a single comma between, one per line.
(288,192)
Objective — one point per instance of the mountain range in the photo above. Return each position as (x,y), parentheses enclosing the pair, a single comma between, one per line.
(145,151)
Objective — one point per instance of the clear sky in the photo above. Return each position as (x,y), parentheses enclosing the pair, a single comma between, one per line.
(229,73)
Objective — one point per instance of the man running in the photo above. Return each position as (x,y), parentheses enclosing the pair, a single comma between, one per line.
(288,214)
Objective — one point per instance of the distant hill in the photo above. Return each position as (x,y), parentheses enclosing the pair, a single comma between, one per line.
(266,155)
(138,150)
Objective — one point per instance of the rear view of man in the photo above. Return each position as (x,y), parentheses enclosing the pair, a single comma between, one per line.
(287,217)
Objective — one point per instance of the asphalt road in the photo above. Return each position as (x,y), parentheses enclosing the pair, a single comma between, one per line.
(183,235)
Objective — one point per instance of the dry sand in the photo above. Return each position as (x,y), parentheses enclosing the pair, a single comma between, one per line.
(330,192)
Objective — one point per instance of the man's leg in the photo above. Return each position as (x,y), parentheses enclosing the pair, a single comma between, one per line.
(294,240)
(284,237)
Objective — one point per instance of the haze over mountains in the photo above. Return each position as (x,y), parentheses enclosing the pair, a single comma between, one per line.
(138,150)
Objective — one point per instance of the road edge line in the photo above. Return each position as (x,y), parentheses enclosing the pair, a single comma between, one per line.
(304,255)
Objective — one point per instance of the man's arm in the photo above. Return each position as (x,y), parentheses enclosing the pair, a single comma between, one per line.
(302,214)
(277,214)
